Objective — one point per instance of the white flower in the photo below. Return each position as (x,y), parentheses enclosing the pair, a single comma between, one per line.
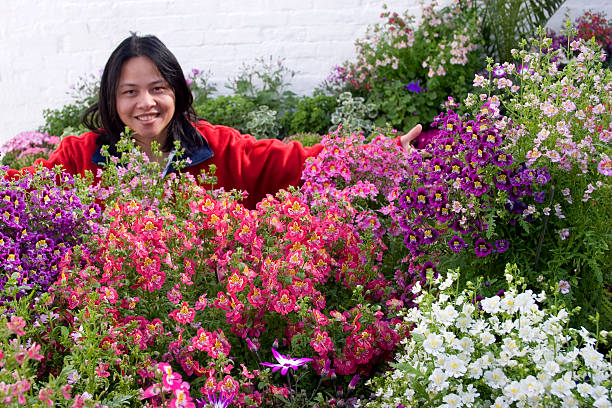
(447,315)
(469,395)
(592,358)
(491,305)
(562,387)
(452,400)
(500,402)
(513,391)
(486,338)
(602,402)
(454,367)
(508,303)
(433,343)
(525,302)
(551,368)
(584,389)
(466,344)
(496,378)
(438,378)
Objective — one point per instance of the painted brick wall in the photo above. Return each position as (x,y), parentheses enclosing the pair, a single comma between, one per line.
(45,45)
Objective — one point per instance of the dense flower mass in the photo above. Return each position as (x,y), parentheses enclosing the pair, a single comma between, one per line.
(41,221)
(496,353)
(448,200)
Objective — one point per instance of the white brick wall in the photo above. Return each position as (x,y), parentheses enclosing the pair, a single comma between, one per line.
(45,45)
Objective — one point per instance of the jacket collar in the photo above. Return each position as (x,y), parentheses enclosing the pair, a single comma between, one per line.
(197,156)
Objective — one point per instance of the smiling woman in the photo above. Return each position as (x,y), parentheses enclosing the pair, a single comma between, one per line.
(145,102)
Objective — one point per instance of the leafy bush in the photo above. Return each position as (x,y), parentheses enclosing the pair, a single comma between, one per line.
(353,114)
(68,116)
(263,124)
(409,72)
(306,139)
(313,114)
(200,85)
(224,110)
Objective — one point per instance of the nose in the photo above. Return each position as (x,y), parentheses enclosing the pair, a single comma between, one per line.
(145,100)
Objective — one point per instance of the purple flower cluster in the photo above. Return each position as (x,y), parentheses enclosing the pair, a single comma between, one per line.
(448,198)
(40,220)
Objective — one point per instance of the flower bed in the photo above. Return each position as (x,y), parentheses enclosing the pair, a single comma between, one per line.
(148,291)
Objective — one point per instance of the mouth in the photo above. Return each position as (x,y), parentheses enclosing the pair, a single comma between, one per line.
(147,117)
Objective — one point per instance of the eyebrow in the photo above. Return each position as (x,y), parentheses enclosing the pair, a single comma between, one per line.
(158,81)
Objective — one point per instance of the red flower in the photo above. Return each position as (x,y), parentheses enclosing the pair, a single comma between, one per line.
(321,343)
(236,283)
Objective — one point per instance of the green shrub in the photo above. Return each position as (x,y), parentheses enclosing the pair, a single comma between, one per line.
(313,114)
(263,124)
(68,116)
(353,114)
(305,138)
(227,110)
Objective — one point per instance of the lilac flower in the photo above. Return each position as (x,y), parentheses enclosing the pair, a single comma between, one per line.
(564,287)
(222,401)
(482,248)
(354,382)
(285,362)
(564,234)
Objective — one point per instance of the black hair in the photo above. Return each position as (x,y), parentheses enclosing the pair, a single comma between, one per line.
(102,117)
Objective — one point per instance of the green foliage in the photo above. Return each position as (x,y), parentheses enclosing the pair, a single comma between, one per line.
(313,114)
(68,116)
(201,86)
(408,71)
(263,124)
(265,83)
(227,110)
(306,139)
(353,114)
(506,22)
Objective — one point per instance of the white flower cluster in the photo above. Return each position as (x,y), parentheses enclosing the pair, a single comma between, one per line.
(504,352)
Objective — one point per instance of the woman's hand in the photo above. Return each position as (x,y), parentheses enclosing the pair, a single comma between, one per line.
(409,137)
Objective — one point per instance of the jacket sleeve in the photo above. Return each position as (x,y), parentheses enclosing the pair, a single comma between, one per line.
(258,166)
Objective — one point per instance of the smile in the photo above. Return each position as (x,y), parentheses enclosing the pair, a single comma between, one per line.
(147,117)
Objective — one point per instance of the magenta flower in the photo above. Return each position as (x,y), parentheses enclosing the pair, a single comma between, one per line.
(456,244)
(285,362)
(482,248)
(221,401)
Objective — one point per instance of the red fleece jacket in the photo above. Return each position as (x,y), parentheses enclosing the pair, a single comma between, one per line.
(258,166)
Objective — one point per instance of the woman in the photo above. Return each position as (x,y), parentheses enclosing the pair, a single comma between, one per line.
(143,87)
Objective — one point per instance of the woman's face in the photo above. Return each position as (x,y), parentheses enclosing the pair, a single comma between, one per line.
(145,101)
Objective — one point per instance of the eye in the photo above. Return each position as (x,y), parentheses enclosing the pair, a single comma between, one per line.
(128,92)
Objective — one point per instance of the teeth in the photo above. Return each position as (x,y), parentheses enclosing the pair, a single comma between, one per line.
(146,117)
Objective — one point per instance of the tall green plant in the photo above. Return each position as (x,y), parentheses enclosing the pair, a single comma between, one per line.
(505,22)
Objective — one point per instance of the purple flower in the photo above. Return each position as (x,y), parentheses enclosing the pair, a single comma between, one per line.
(438,197)
(430,235)
(420,198)
(501,245)
(285,362)
(482,248)
(502,180)
(492,139)
(414,86)
(429,269)
(456,243)
(539,196)
(222,401)
(543,176)
(413,238)
(564,287)
(354,382)
(502,159)
(443,214)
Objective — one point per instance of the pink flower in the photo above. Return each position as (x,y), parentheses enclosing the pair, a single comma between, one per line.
(184,315)
(605,166)
(16,325)
(102,370)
